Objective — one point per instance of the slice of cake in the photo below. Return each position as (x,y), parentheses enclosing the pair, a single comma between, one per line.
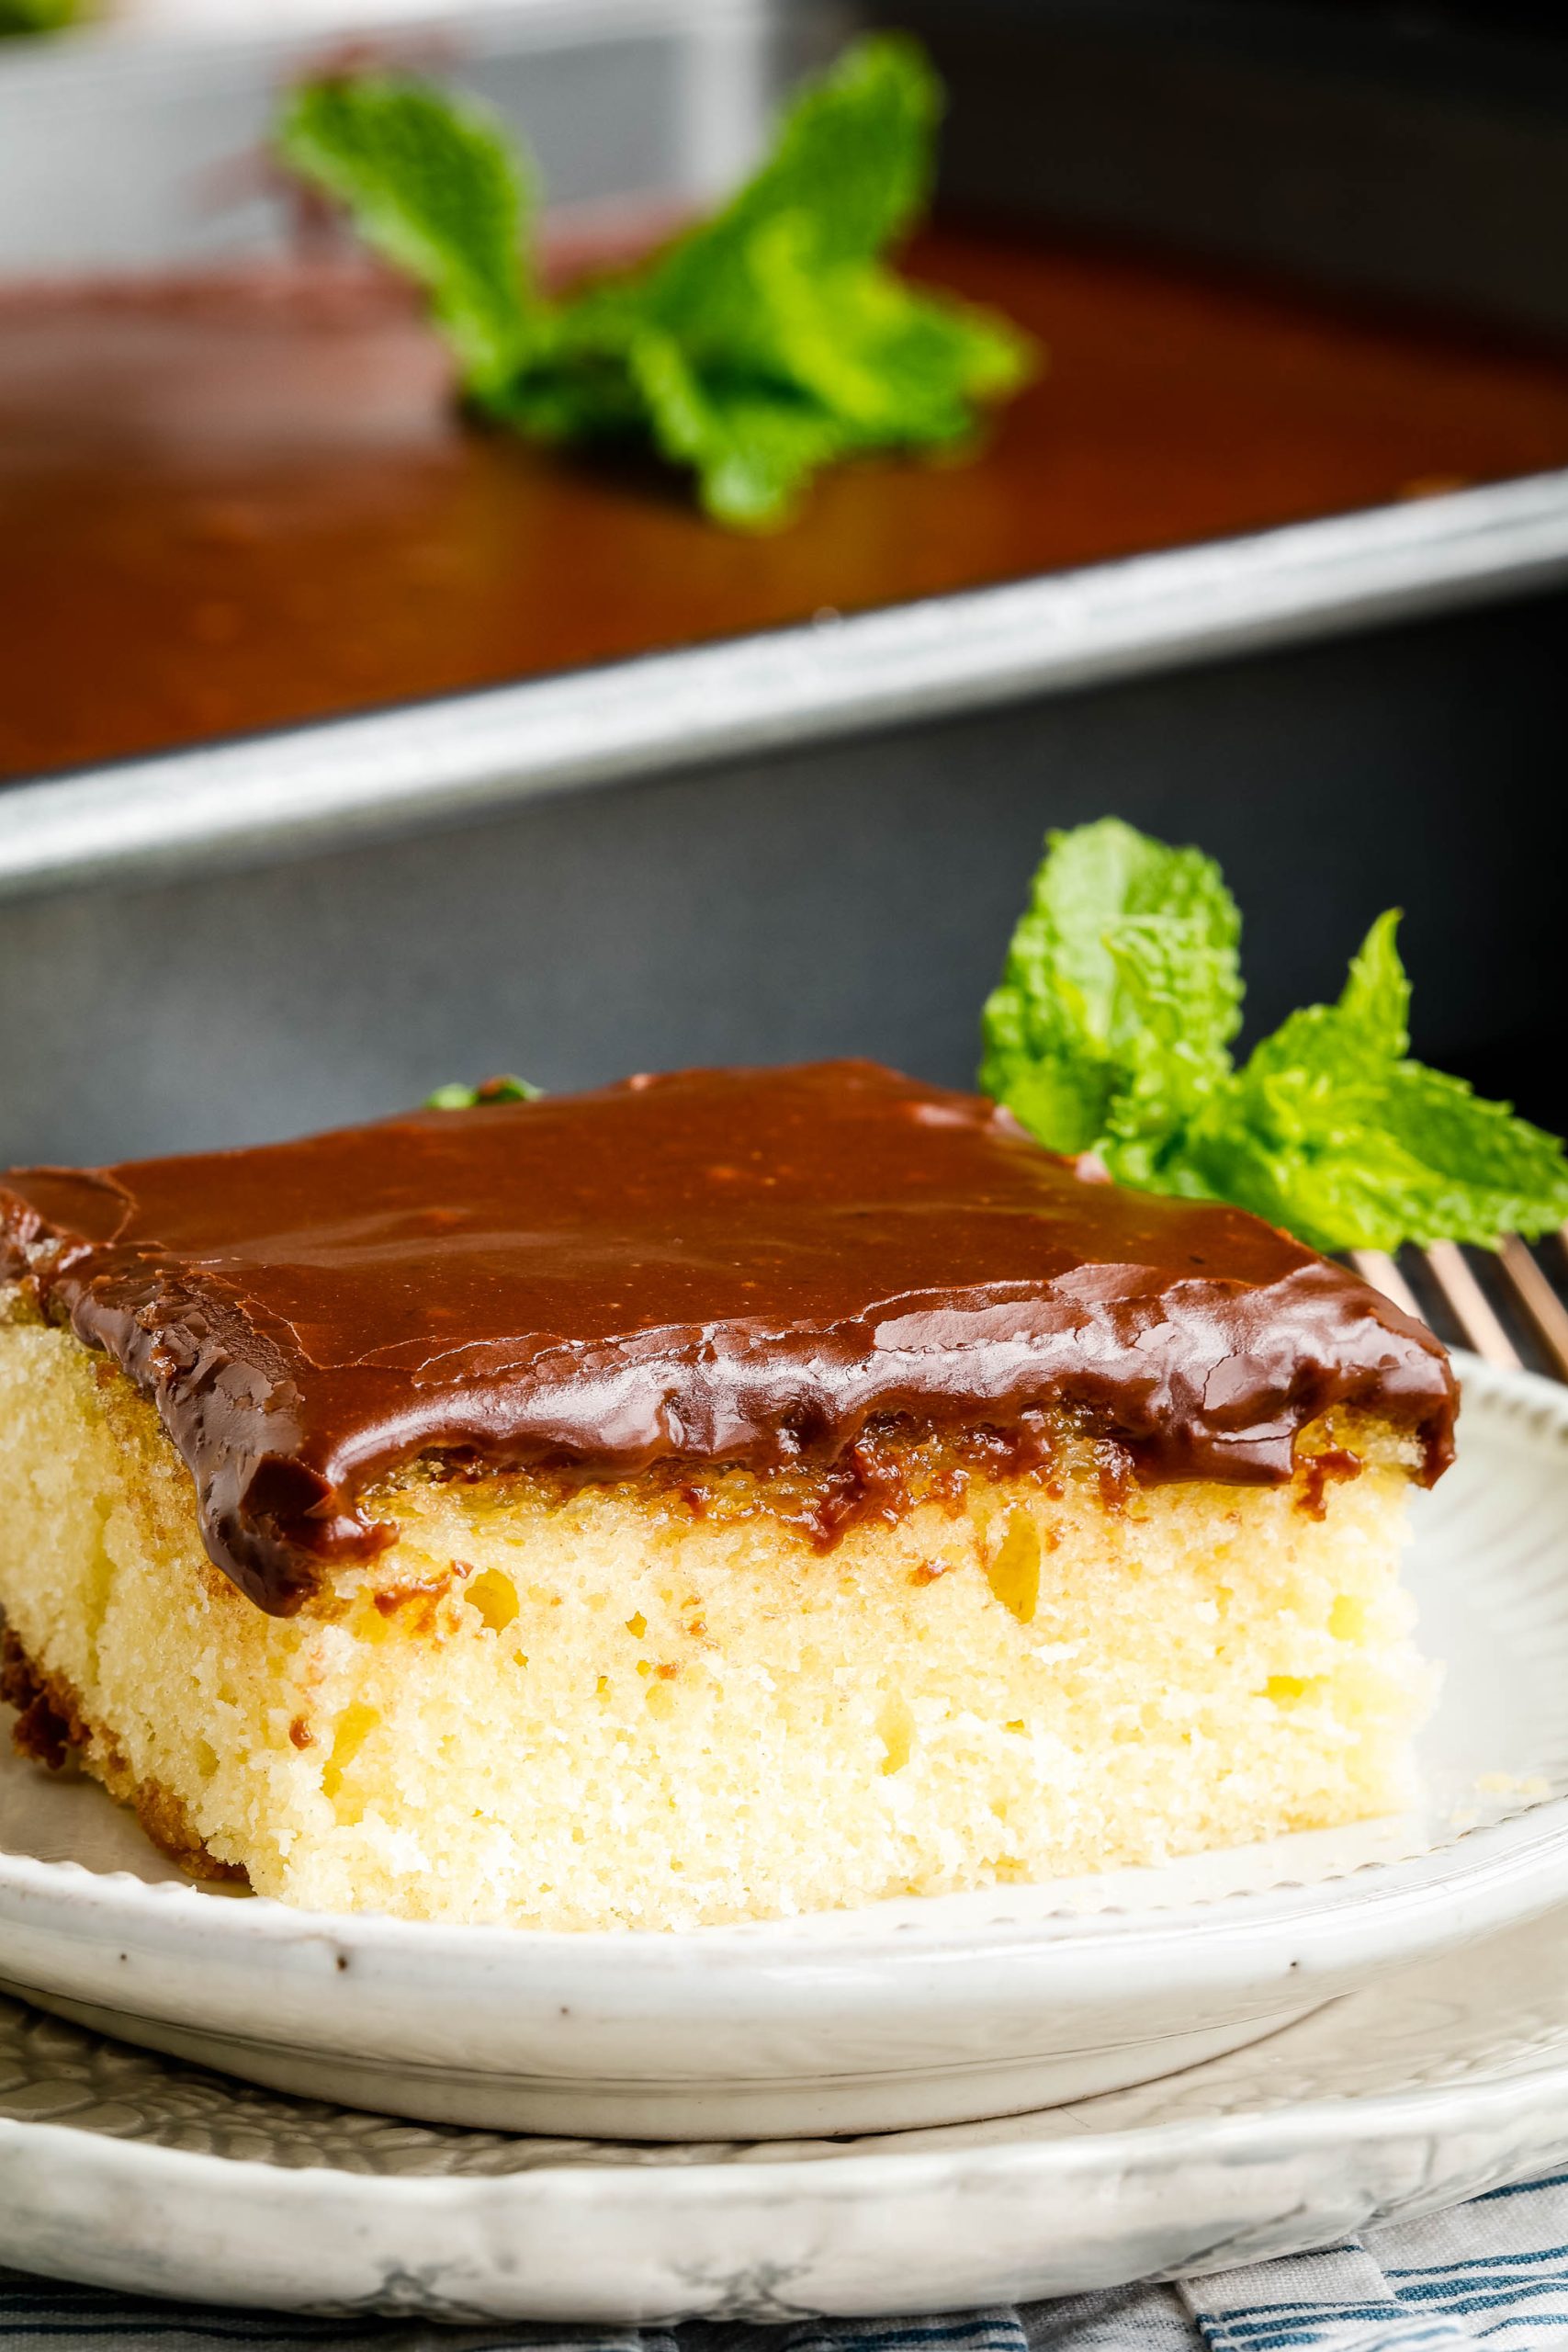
(728,1494)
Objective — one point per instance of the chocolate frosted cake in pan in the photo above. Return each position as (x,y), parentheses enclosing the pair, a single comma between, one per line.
(724,1495)
(244,500)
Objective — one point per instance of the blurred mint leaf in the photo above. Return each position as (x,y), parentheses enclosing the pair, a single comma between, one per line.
(1111,1030)
(758,346)
(456,1097)
(39,15)
(434,185)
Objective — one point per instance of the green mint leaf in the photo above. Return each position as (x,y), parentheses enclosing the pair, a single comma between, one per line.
(1336,1134)
(849,173)
(1120,993)
(38,15)
(1109,1031)
(854,155)
(753,448)
(434,185)
(1176,997)
(805,346)
(1317,1064)
(1433,1162)
(458,1097)
(755,349)
(1485,1170)
(851,168)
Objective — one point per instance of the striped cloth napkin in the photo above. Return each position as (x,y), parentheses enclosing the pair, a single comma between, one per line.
(1494,2272)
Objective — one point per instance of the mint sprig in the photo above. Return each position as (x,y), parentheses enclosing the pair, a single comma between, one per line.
(762,345)
(458,1097)
(38,15)
(1110,1031)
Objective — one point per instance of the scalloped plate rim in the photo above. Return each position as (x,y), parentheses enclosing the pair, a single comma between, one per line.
(1342,2120)
(1308,2170)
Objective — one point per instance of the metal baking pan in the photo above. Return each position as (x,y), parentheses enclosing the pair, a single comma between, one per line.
(814,840)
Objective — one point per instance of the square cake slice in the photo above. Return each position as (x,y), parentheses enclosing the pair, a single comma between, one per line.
(724,1495)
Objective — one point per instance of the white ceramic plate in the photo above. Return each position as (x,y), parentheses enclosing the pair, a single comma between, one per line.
(909,2014)
(137,2172)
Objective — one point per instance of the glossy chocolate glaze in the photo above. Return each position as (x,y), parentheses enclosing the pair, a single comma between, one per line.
(714,1266)
(241,501)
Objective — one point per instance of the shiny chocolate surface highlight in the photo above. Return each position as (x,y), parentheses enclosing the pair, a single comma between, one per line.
(712,1266)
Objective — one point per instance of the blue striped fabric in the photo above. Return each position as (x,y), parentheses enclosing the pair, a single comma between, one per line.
(1494,2272)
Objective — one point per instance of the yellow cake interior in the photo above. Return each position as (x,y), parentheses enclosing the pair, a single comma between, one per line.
(625,1704)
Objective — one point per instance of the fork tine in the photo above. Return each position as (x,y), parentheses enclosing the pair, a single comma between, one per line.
(1470,1306)
(1540,1302)
(1375,1266)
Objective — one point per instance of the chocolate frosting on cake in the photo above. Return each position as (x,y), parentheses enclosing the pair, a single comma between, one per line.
(713,1266)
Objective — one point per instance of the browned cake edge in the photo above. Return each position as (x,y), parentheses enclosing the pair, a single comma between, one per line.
(53,1727)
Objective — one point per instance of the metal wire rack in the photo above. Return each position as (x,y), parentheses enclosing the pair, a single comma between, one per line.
(1510,1306)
